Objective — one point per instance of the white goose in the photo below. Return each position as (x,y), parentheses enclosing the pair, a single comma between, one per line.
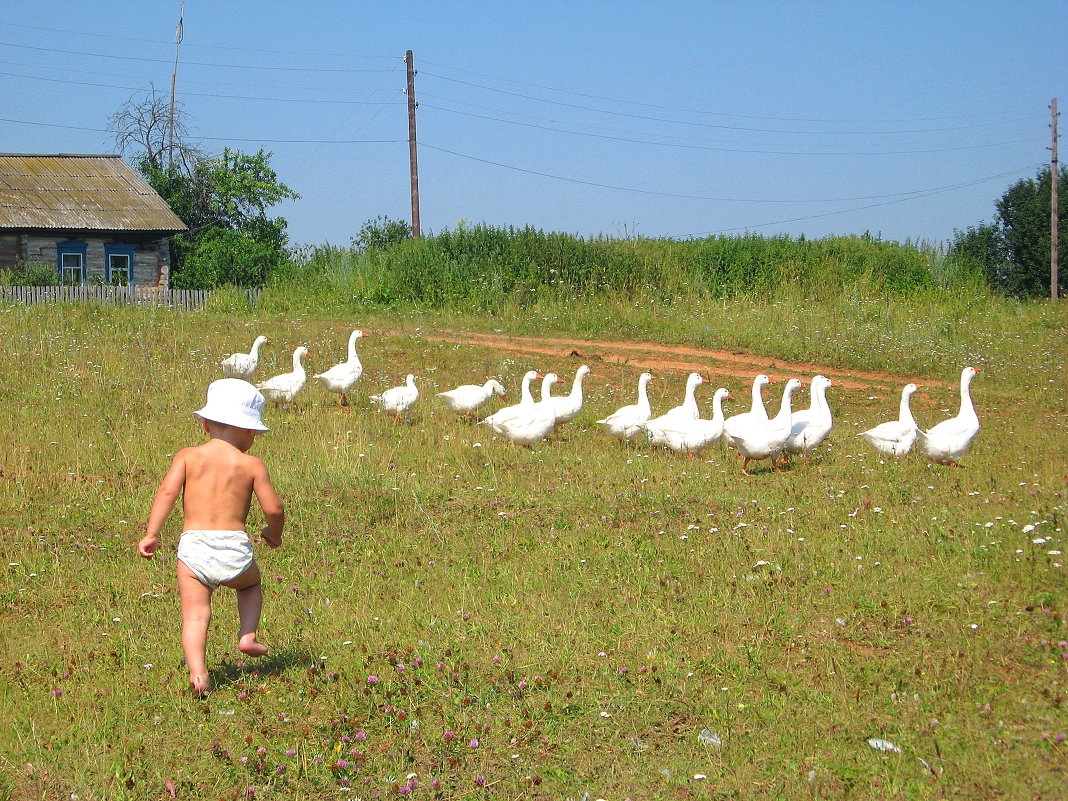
(243,365)
(526,429)
(469,398)
(895,437)
(767,440)
(524,407)
(756,414)
(691,436)
(567,407)
(281,389)
(810,427)
(341,377)
(398,399)
(687,412)
(950,439)
(625,422)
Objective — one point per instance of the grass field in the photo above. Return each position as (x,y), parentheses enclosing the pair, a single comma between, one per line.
(454,617)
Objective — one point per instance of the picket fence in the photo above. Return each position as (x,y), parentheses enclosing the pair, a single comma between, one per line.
(111,295)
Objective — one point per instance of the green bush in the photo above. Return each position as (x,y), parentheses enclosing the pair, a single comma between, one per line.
(30,274)
(221,256)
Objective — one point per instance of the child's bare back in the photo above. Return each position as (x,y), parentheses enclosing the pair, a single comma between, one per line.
(219,482)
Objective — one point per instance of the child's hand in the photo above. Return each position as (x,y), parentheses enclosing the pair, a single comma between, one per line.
(147,546)
(265,532)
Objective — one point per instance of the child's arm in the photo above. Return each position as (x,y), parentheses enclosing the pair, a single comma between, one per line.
(166,496)
(270,504)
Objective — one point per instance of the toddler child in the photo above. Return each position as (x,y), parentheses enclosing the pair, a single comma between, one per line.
(217,481)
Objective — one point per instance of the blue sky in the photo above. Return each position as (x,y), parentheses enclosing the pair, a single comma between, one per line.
(906,119)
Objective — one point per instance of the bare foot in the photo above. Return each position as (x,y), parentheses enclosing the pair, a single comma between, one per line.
(199,684)
(248,644)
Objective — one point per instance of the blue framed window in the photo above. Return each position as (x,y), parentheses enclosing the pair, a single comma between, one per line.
(118,264)
(70,262)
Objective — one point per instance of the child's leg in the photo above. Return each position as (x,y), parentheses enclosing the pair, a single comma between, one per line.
(249,604)
(196,614)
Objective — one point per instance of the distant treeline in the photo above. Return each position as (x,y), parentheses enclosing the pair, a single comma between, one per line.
(486,267)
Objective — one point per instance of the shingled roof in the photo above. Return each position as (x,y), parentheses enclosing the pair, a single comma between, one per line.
(79,192)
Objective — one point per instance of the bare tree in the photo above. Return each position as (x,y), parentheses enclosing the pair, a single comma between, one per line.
(141,128)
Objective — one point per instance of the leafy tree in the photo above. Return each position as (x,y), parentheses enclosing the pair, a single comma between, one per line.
(983,247)
(380,233)
(1024,212)
(1014,251)
(223,199)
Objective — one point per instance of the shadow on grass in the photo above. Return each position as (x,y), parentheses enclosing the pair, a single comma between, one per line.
(274,664)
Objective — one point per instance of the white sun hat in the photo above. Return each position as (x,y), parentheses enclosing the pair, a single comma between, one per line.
(234,402)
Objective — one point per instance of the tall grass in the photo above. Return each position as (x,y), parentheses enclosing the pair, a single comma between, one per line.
(491,268)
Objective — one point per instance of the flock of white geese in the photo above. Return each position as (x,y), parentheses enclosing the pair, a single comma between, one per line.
(753,434)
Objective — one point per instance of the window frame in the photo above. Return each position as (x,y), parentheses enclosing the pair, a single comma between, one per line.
(80,249)
(119,249)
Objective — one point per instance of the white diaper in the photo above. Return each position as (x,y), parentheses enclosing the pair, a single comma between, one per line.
(215,557)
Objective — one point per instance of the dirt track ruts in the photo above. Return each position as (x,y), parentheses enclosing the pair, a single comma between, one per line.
(678,358)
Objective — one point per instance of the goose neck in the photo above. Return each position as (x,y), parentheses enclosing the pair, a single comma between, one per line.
(904,410)
(966,408)
(785,408)
(717,407)
(758,397)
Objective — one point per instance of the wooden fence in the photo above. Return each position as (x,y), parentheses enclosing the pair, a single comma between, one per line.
(111,295)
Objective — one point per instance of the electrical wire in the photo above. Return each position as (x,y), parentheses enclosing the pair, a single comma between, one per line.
(188,63)
(203,94)
(733,149)
(717,125)
(193,80)
(723,113)
(858,208)
(226,138)
(192,44)
(911,193)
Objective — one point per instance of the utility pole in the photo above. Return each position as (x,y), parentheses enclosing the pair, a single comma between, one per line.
(1053,216)
(178,34)
(412,155)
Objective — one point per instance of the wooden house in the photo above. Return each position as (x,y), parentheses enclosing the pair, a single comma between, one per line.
(93,218)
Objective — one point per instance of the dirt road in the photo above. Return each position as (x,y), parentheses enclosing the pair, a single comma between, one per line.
(672,358)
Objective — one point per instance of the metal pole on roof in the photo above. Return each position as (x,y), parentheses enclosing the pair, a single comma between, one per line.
(178,34)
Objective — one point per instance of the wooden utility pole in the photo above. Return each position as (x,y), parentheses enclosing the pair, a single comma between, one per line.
(1053,216)
(178,35)
(413,157)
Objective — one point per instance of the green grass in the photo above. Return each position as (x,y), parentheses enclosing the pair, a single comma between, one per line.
(621,588)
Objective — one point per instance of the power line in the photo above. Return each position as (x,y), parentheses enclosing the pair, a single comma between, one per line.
(730,149)
(193,63)
(190,44)
(912,193)
(858,208)
(225,138)
(716,125)
(206,94)
(192,80)
(723,113)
